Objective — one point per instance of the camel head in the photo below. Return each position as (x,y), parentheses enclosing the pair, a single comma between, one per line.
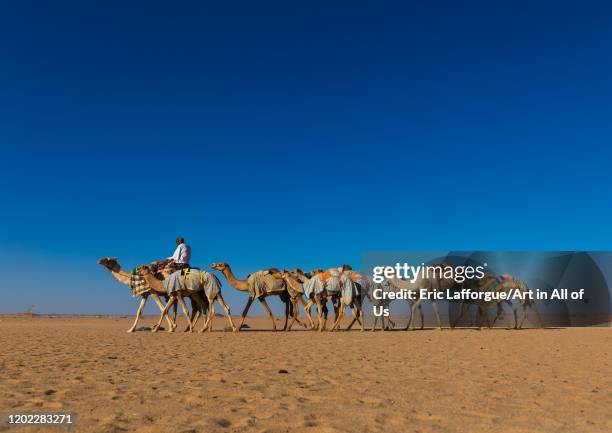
(108,262)
(316,272)
(221,266)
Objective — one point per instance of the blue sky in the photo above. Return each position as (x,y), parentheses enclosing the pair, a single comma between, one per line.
(293,134)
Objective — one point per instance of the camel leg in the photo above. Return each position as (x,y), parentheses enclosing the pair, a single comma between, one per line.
(523,316)
(498,314)
(195,313)
(303,303)
(461,314)
(320,315)
(287,311)
(226,308)
(535,308)
(514,313)
(185,310)
(195,310)
(197,305)
(362,317)
(375,322)
(307,309)
(296,311)
(354,313)
(208,321)
(267,308)
(211,316)
(210,313)
(293,315)
(245,311)
(143,301)
(336,310)
(485,311)
(422,316)
(339,318)
(410,303)
(161,306)
(436,310)
(416,305)
(174,314)
(356,310)
(326,312)
(164,313)
(205,310)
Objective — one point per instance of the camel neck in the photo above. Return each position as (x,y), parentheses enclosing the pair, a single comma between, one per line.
(237,284)
(294,283)
(120,274)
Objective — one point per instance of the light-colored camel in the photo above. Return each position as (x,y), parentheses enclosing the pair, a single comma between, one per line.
(258,285)
(504,284)
(195,282)
(415,287)
(380,302)
(509,284)
(124,277)
(303,278)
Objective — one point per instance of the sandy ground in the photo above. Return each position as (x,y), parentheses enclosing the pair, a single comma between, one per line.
(553,380)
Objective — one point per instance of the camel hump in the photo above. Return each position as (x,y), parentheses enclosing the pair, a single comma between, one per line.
(274,272)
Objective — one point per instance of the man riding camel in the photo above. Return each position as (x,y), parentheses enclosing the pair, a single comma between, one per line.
(181,257)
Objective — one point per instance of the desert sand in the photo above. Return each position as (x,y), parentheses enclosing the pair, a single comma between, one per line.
(551,380)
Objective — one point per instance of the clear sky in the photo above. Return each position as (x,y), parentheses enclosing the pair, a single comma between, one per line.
(293,134)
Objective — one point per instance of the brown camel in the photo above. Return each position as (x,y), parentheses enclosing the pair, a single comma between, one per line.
(158,286)
(296,292)
(126,278)
(258,285)
(195,282)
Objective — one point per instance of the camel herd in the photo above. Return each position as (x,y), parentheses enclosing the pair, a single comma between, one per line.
(343,287)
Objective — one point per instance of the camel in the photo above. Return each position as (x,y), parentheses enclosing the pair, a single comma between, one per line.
(195,281)
(416,286)
(509,283)
(430,283)
(490,283)
(303,277)
(335,285)
(296,291)
(258,285)
(380,304)
(126,278)
(394,284)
